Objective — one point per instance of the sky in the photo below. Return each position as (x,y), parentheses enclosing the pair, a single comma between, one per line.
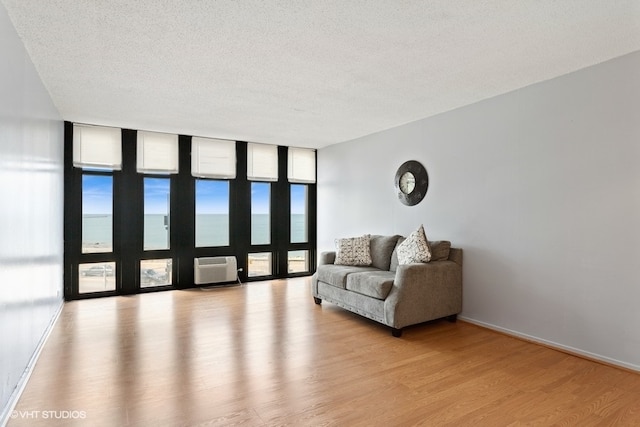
(260,197)
(97,191)
(212,196)
(298,199)
(156,192)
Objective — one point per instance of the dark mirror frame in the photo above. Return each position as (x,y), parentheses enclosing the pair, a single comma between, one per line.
(422,182)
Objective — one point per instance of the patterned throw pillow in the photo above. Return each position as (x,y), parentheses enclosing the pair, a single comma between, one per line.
(415,248)
(353,251)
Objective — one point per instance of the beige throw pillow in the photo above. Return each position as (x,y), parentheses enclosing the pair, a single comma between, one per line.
(415,248)
(353,251)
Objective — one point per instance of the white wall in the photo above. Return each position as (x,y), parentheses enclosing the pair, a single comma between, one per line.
(540,187)
(31,212)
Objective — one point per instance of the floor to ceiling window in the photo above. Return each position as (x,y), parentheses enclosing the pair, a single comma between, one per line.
(262,172)
(142,206)
(301,174)
(97,232)
(157,162)
(260,263)
(298,260)
(95,155)
(157,232)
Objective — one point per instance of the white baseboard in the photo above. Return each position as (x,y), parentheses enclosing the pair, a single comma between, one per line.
(22,383)
(554,345)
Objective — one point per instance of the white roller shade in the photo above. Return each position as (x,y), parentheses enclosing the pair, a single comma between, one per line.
(157,152)
(262,162)
(97,147)
(301,165)
(213,158)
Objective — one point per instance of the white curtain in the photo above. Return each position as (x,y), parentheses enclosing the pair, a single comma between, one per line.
(97,147)
(301,165)
(213,158)
(262,162)
(157,152)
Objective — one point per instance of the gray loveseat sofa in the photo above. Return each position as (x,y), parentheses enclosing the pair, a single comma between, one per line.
(392,294)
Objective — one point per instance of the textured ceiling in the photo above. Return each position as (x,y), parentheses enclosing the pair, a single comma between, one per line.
(307,72)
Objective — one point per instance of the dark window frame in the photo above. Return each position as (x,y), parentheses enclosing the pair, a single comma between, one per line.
(128,226)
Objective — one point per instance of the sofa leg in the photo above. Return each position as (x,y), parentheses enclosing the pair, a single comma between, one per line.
(396,332)
(317,300)
(452,318)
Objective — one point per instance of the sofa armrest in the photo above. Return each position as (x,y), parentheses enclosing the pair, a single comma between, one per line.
(423,292)
(324,258)
(327,257)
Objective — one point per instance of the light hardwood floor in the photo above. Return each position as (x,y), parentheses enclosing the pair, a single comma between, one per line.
(264,354)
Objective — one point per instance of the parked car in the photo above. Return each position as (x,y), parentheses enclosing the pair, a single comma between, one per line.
(98,271)
(153,276)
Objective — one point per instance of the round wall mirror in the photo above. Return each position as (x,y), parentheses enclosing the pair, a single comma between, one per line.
(411,182)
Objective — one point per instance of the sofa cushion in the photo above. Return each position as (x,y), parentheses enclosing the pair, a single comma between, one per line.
(393,266)
(336,275)
(440,250)
(375,284)
(381,249)
(353,251)
(415,248)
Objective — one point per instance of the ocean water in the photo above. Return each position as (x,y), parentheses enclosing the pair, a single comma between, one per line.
(211,230)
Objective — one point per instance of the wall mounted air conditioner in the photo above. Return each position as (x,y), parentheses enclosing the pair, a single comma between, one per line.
(215,269)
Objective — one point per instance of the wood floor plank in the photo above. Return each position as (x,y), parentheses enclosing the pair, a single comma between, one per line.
(263,354)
